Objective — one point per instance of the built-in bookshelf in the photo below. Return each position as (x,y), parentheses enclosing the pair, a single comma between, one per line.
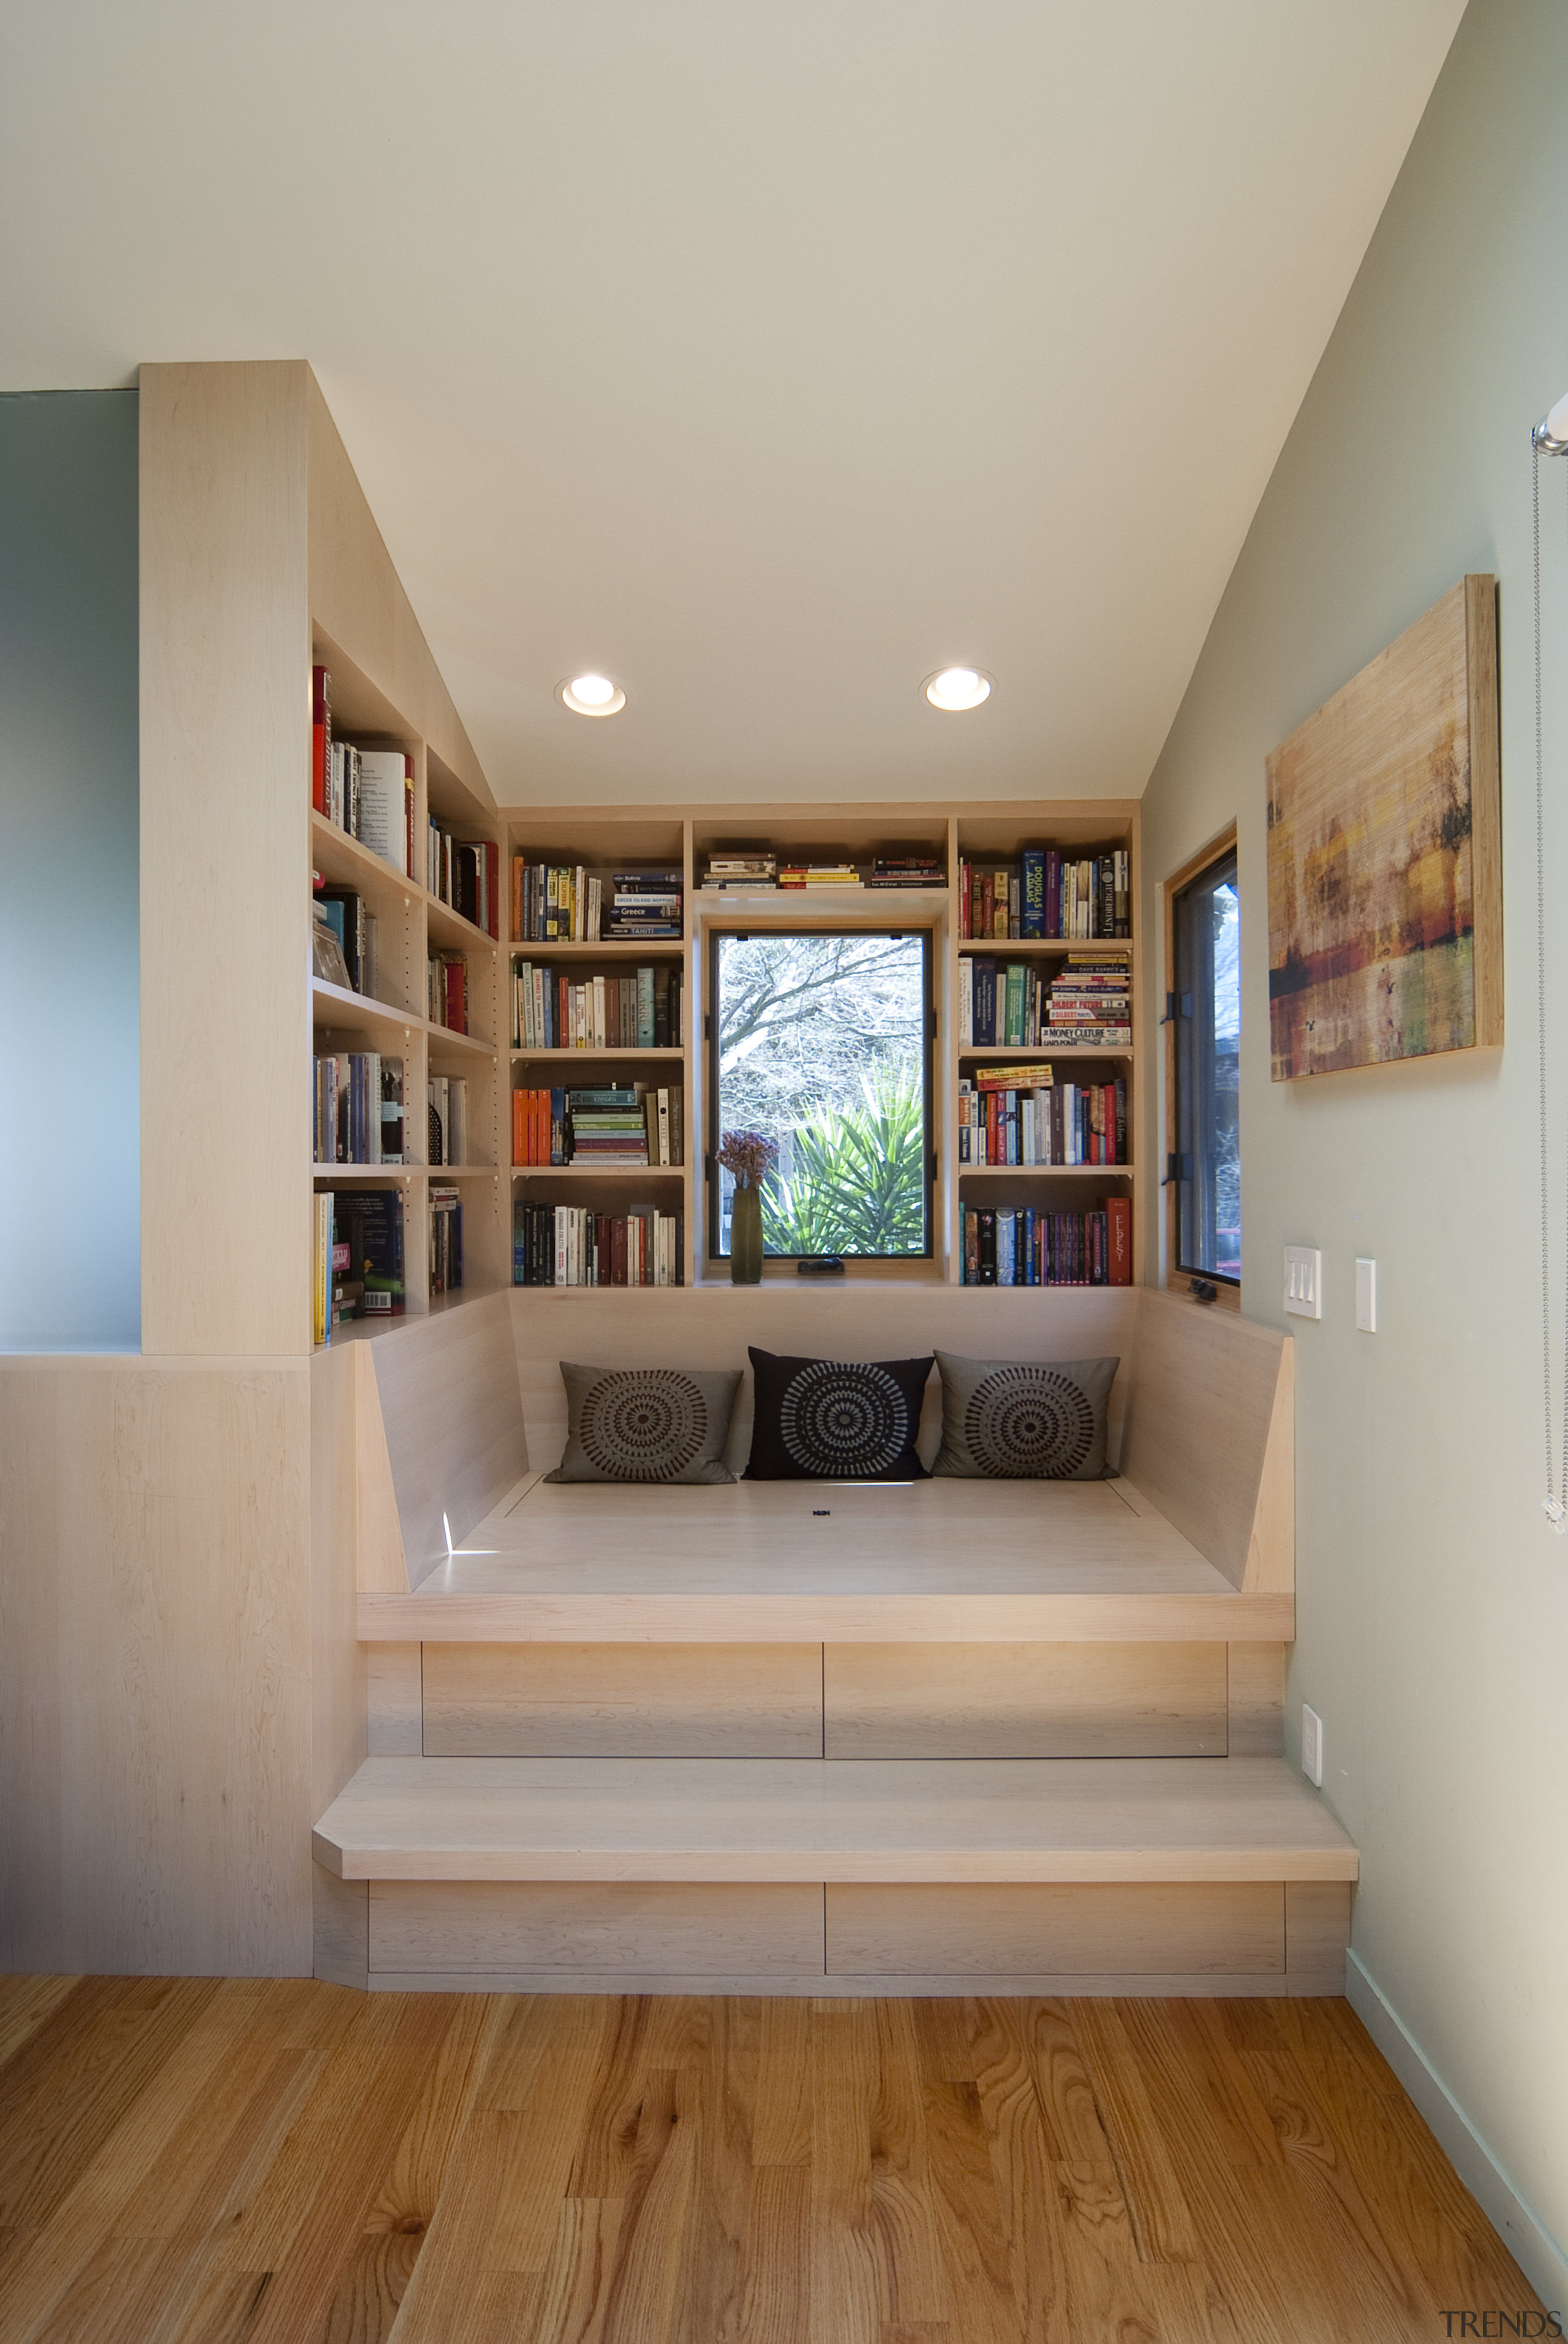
(860,845)
(428,1012)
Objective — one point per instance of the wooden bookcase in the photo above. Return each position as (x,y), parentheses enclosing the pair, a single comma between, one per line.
(604,839)
(411,922)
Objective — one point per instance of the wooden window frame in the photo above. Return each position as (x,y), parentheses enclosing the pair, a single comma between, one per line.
(1180,1281)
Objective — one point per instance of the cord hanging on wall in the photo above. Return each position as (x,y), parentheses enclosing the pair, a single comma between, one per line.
(1549,438)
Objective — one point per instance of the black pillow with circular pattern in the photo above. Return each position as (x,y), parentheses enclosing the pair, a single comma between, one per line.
(646,1424)
(1023,1420)
(836,1419)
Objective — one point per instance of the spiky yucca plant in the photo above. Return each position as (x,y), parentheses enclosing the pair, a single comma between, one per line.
(857,1184)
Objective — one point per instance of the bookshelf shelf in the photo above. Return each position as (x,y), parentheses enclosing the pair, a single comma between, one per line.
(1045,1172)
(449,927)
(623,1050)
(341,1010)
(971,1052)
(1048,947)
(445,1040)
(598,1171)
(345,862)
(328,1176)
(608,949)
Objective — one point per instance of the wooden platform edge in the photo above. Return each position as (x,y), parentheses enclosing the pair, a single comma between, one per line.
(706,1618)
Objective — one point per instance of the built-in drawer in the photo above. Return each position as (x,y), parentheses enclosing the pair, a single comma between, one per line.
(622,1700)
(1072,1929)
(597,1928)
(1025,1701)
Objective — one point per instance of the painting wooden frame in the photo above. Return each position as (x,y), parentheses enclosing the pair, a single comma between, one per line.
(1385,884)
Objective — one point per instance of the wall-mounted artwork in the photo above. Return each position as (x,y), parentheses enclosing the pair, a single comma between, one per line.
(1385,889)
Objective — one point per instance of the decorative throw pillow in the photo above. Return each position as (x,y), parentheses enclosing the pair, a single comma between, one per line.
(646,1424)
(1015,1420)
(836,1419)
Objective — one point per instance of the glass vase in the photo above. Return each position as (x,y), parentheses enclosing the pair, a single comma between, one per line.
(745,1235)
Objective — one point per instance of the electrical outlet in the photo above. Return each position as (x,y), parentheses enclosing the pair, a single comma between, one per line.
(1366,1296)
(1311,1745)
(1303,1282)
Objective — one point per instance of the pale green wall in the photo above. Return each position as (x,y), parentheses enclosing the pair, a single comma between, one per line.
(1433,1600)
(70,1183)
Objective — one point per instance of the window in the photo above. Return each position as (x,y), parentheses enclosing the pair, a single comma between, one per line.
(1205,1023)
(822,1043)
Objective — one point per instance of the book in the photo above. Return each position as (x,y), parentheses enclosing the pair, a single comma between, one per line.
(320,736)
(370,1220)
(570,1244)
(383,822)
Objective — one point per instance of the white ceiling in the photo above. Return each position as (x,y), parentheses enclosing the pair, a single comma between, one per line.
(765,358)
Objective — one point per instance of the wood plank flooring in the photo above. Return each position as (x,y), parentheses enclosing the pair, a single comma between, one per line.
(241,2161)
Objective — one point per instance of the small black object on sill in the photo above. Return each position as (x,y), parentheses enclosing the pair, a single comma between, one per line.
(821,1265)
(1202,1291)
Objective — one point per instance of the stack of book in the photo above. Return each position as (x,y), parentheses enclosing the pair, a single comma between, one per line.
(366,792)
(741,871)
(1045,895)
(1091,1002)
(606,1128)
(645,903)
(1001,1006)
(1021,1246)
(554,904)
(351,921)
(641,1011)
(565,1245)
(448,1113)
(356,1257)
(623,1124)
(356,1109)
(467,875)
(446,1241)
(819,874)
(447,990)
(908,871)
(1025,1122)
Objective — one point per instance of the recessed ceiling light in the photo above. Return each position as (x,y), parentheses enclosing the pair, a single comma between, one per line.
(592,695)
(955,688)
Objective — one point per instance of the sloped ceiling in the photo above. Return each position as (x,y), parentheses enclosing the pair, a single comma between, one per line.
(765,357)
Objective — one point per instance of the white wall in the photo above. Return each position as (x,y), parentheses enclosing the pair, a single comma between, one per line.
(1434,1598)
(70,1242)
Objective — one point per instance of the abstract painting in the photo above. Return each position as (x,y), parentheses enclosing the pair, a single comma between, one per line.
(1385,910)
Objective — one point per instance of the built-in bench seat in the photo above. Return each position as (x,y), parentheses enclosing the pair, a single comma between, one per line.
(938,1737)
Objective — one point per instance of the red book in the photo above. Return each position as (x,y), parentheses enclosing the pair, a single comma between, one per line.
(617,1253)
(409,813)
(517,1155)
(456,976)
(320,735)
(1118,1241)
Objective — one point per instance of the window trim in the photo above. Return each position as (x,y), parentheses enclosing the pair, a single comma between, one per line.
(925,935)
(1228,1291)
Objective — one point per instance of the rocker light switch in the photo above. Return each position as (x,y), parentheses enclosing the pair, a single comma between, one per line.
(1303,1281)
(1366,1296)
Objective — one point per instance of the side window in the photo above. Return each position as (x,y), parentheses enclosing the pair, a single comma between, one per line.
(1205,1180)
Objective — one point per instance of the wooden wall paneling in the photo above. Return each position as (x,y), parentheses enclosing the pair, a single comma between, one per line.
(394,1700)
(338,1740)
(1025,1701)
(608,1701)
(340,1913)
(157,1708)
(357,600)
(225,827)
(1317,1932)
(1126,1928)
(382,1568)
(449,1394)
(627,1926)
(1209,1436)
(712,1326)
(1256,1700)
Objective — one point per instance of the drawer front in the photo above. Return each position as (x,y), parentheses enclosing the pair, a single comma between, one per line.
(623,1701)
(1082,1929)
(1025,1701)
(620,1927)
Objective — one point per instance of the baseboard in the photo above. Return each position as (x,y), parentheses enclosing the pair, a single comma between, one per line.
(1521,2230)
(1273,1985)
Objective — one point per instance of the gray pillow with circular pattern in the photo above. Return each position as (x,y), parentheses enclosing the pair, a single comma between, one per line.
(646,1424)
(1023,1420)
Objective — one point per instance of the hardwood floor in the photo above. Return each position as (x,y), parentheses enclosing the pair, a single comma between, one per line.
(202,2161)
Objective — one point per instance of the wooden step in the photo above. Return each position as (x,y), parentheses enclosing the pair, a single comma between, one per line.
(832,1819)
(809,1562)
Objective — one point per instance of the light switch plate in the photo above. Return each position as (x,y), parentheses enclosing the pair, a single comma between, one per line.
(1303,1281)
(1366,1296)
(1311,1745)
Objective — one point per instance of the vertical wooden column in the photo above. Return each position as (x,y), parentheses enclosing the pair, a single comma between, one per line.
(225,807)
